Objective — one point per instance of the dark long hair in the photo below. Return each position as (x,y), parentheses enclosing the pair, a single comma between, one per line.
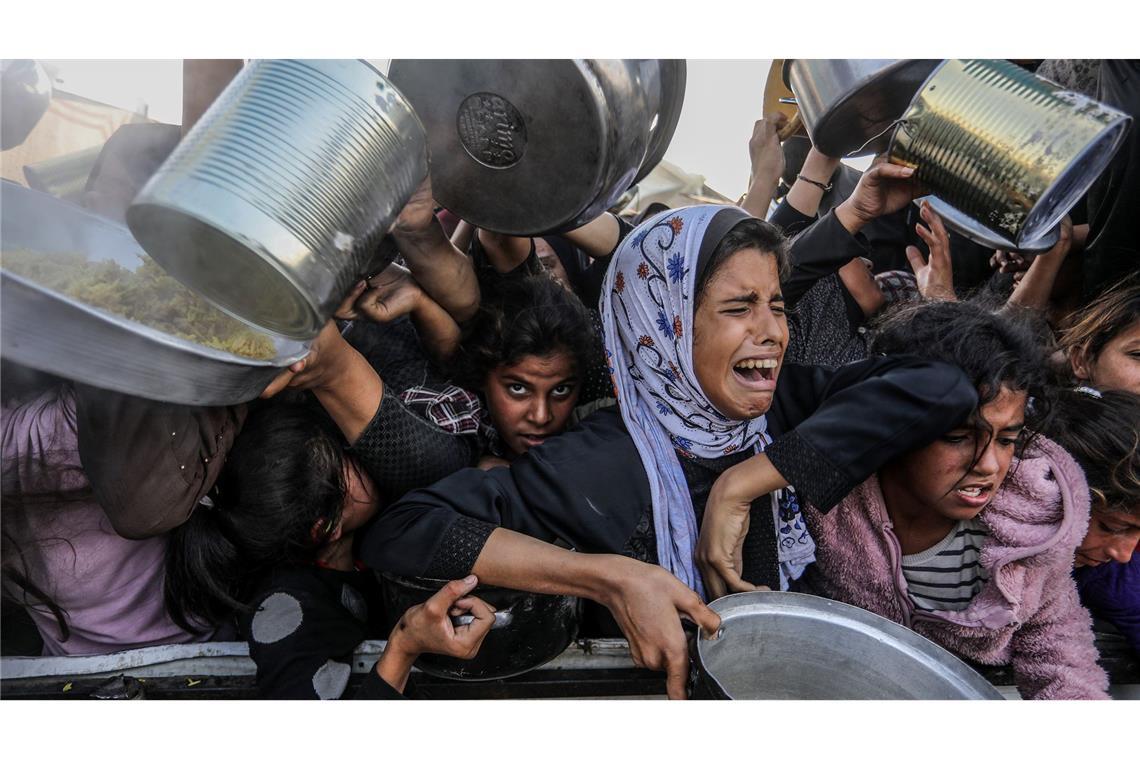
(20,589)
(527,316)
(1102,432)
(994,350)
(285,472)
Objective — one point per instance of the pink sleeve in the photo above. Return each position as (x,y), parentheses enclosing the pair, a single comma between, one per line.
(1054,655)
(40,447)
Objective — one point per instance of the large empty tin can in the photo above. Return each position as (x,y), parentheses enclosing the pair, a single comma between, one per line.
(1010,150)
(277,199)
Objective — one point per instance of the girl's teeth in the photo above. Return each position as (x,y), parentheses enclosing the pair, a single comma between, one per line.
(970,491)
(756,364)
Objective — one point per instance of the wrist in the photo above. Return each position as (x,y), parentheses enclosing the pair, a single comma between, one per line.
(847,216)
(606,576)
(395,664)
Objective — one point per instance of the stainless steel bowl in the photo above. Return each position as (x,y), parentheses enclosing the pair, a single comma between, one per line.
(48,331)
(850,105)
(777,645)
(277,199)
(527,147)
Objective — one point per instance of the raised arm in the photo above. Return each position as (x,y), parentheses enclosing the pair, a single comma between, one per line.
(394,293)
(767,159)
(838,427)
(442,270)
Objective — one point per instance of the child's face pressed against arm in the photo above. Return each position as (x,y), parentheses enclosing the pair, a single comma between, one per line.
(927,491)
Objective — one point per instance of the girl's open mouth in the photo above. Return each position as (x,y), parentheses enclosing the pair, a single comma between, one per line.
(975,496)
(757,374)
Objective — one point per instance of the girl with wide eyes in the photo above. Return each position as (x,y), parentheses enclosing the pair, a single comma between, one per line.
(969,540)
(530,352)
(708,414)
(1102,432)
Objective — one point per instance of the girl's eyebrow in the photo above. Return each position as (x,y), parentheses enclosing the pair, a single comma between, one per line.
(753,297)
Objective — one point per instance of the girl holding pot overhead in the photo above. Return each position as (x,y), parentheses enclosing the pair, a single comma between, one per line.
(695,334)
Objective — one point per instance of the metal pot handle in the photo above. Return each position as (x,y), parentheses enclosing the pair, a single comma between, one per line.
(503,619)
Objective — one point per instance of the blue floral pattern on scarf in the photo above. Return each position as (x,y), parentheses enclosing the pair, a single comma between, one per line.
(647,313)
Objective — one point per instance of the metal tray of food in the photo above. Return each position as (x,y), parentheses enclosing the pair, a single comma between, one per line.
(46,241)
(983,235)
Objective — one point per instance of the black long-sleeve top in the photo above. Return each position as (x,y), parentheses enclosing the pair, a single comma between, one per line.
(832,429)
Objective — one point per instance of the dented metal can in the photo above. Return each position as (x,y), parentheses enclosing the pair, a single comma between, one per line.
(1006,148)
(278,198)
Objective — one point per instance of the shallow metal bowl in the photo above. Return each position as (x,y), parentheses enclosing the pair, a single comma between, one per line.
(49,331)
(777,645)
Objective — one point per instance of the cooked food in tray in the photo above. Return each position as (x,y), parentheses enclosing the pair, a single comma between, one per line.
(146,295)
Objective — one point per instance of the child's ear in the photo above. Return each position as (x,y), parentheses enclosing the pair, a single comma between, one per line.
(1078,360)
(323,533)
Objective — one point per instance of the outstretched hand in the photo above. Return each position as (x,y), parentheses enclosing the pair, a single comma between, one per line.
(383,297)
(418,213)
(649,604)
(428,627)
(883,189)
(935,276)
(764,149)
(316,369)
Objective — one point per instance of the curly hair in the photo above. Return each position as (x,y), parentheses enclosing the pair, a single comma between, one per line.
(1102,432)
(520,317)
(995,351)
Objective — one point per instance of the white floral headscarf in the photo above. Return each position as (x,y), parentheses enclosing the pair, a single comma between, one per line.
(647,318)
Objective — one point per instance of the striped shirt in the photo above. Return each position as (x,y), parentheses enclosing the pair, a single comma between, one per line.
(947,575)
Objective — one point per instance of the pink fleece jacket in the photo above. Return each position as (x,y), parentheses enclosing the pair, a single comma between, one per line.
(1027,615)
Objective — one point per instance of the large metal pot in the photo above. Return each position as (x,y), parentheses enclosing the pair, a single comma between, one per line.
(849,105)
(49,331)
(775,645)
(527,147)
(276,201)
(529,629)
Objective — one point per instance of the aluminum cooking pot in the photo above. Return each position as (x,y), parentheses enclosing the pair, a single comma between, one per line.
(528,147)
(850,105)
(776,645)
(529,629)
(277,199)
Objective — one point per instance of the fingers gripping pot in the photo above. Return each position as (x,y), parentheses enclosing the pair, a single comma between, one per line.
(525,147)
(529,629)
(779,645)
(277,200)
(1006,149)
